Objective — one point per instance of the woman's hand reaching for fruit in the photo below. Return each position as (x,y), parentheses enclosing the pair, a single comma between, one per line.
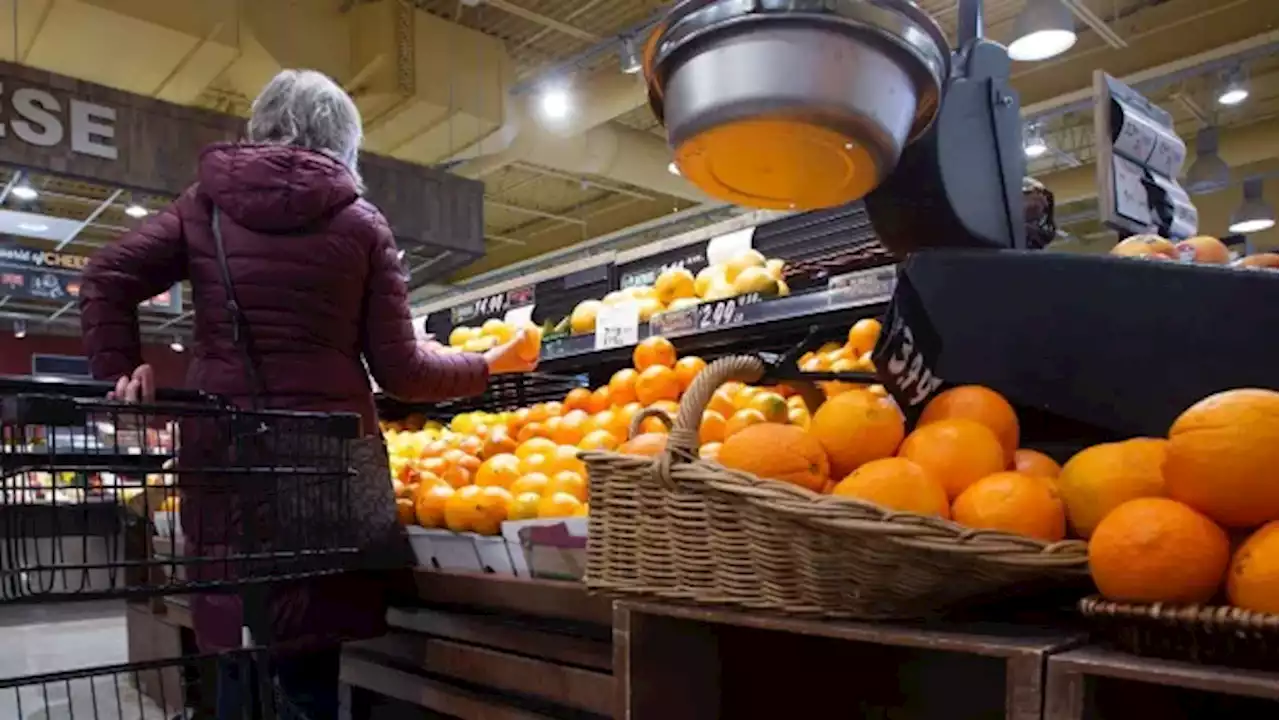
(520,354)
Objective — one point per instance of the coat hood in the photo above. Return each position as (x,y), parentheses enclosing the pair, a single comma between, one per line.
(275,188)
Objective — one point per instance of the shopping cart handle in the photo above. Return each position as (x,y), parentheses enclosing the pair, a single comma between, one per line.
(19,384)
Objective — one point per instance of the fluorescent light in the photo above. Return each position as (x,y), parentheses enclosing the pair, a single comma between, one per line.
(628,58)
(177,345)
(19,329)
(136,211)
(1254,214)
(33,227)
(1233,95)
(25,192)
(1042,30)
(673,168)
(555,104)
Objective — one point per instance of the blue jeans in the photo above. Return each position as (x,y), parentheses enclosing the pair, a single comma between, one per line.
(307,685)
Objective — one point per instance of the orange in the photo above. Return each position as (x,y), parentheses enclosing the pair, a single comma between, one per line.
(710,451)
(622,387)
(583,510)
(770,404)
(687,368)
(1145,246)
(559,505)
(857,427)
(673,284)
(600,400)
(456,476)
(563,458)
(742,419)
(571,428)
(1158,550)
(863,336)
(652,351)
(955,451)
(570,482)
(646,444)
(1098,479)
(799,417)
(778,452)
(517,421)
(1223,455)
(427,479)
(535,463)
(530,345)
(598,440)
(1035,463)
(474,445)
(460,509)
(655,424)
(428,505)
(535,446)
(624,416)
(534,482)
(611,421)
(499,441)
(711,429)
(657,382)
(743,397)
(722,401)
(577,399)
(1012,502)
(975,402)
(1252,581)
(532,430)
(538,413)
(524,506)
(404,511)
(554,408)
(499,470)
(491,506)
(458,458)
(895,483)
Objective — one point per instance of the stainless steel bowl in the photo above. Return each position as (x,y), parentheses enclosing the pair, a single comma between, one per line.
(794,103)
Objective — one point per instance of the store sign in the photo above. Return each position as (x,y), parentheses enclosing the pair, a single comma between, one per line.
(492,306)
(46,275)
(35,117)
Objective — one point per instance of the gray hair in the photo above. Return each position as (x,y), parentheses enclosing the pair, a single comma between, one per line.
(307,109)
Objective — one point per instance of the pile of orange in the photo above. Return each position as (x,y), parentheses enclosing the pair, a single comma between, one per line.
(854,355)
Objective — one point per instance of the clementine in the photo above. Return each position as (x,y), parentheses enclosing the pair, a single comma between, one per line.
(1158,550)
(491,506)
(654,350)
(622,386)
(460,509)
(1252,581)
(571,428)
(404,511)
(499,470)
(535,446)
(558,505)
(598,440)
(456,476)
(770,404)
(498,441)
(577,399)
(534,482)
(535,463)
(1223,455)
(984,405)
(600,400)
(532,430)
(895,483)
(524,506)
(1035,463)
(646,444)
(657,382)
(1098,479)
(568,481)
(428,505)
(1015,503)
(564,458)
(857,427)
(710,451)
(722,401)
(778,452)
(687,368)
(863,335)
(956,451)
(742,419)
(711,429)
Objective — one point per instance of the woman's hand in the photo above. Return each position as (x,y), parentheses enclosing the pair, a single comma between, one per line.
(514,356)
(136,387)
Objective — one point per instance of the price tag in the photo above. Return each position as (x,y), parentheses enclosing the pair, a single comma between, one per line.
(1168,155)
(907,354)
(862,287)
(730,245)
(519,316)
(693,261)
(617,325)
(492,306)
(1137,136)
(674,322)
(1131,194)
(721,313)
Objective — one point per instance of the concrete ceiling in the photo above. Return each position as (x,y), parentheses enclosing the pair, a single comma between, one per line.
(434,79)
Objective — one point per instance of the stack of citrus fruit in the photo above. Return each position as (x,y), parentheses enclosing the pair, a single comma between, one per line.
(852,356)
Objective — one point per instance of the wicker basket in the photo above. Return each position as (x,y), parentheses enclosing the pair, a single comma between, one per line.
(1206,634)
(678,527)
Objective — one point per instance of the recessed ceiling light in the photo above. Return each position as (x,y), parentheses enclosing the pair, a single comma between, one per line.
(33,227)
(673,168)
(136,211)
(25,192)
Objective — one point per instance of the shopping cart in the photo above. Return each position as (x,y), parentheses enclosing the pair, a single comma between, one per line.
(102,499)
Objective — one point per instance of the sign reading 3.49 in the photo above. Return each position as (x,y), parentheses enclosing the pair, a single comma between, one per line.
(907,354)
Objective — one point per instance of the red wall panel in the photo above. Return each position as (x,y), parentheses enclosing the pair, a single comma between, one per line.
(15,356)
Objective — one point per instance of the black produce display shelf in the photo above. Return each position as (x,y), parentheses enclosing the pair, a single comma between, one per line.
(1116,343)
(727,326)
(505,392)
(89,461)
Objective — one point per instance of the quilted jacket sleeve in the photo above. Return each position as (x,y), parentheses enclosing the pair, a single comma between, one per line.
(142,264)
(402,368)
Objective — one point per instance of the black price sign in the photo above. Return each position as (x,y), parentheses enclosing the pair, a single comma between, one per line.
(674,322)
(693,262)
(907,354)
(491,306)
(861,287)
(722,313)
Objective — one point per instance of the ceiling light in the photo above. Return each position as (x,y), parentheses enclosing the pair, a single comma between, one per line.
(25,192)
(1033,143)
(554,103)
(1208,173)
(1234,91)
(19,329)
(673,168)
(177,345)
(33,227)
(136,211)
(628,58)
(1254,214)
(1042,30)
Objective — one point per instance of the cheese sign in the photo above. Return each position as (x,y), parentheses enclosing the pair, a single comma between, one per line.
(35,117)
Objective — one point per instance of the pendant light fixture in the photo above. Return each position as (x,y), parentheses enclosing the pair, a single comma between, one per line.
(1209,172)
(1044,29)
(1254,214)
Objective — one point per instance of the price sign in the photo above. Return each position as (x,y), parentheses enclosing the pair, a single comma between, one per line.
(674,322)
(862,287)
(1131,194)
(491,306)
(692,261)
(721,313)
(1137,135)
(906,355)
(617,325)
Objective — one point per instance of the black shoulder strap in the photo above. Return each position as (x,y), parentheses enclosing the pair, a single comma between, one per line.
(239,322)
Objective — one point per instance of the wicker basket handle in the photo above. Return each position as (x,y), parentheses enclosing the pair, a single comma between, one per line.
(634,428)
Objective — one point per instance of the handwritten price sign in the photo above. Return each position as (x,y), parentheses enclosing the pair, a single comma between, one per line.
(907,354)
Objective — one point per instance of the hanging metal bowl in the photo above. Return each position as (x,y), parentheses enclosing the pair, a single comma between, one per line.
(797,104)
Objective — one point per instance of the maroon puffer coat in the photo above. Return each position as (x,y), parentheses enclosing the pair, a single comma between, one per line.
(317,275)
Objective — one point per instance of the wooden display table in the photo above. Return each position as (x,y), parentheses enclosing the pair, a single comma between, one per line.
(1100,684)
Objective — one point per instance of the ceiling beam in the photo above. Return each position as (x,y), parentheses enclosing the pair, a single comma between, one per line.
(582,181)
(1096,24)
(543,20)
(531,211)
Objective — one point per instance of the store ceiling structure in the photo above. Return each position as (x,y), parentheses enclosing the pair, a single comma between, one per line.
(454,83)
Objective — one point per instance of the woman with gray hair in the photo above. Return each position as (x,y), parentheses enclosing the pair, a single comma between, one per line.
(295,291)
